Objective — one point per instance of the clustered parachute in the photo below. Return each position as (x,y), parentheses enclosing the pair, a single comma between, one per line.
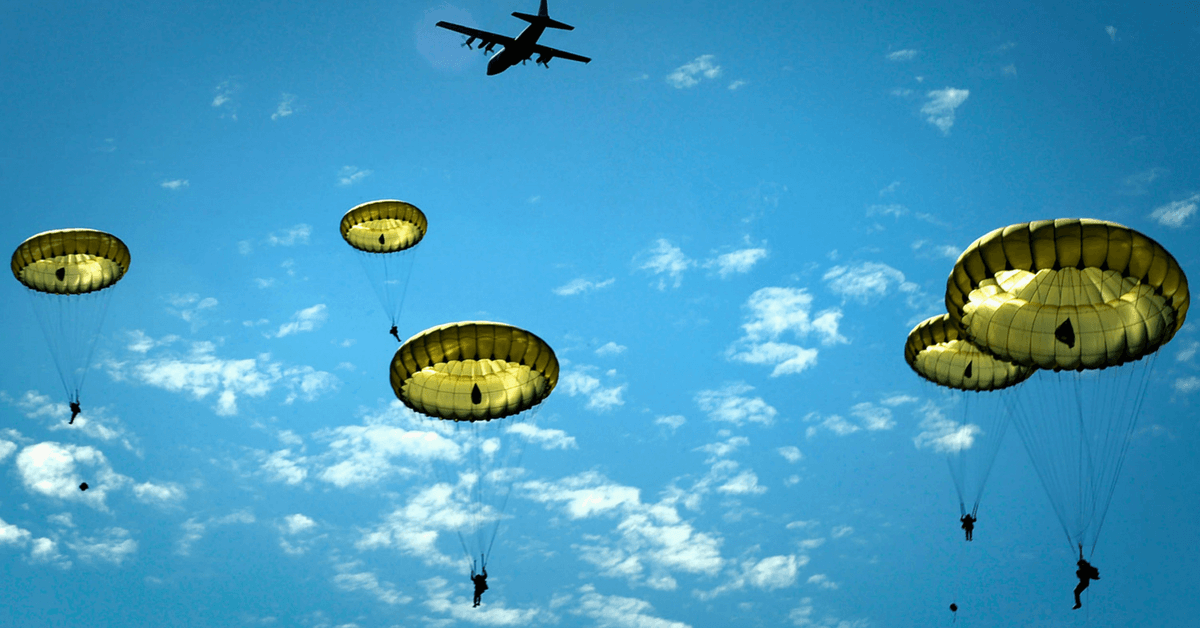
(69,274)
(473,374)
(1071,312)
(385,233)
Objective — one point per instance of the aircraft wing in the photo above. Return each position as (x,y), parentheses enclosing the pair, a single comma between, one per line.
(548,53)
(484,37)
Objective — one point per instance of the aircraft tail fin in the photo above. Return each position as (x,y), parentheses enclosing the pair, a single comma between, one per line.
(543,19)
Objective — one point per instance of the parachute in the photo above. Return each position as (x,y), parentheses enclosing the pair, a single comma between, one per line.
(471,375)
(1089,302)
(69,274)
(979,385)
(384,233)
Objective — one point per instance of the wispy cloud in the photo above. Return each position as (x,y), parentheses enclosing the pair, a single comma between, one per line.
(1176,213)
(666,261)
(201,374)
(290,236)
(1138,183)
(736,85)
(175,184)
(730,405)
(869,282)
(580,381)
(907,54)
(939,109)
(285,107)
(308,319)
(774,312)
(610,348)
(349,175)
(736,262)
(690,74)
(1112,33)
(581,286)
(223,100)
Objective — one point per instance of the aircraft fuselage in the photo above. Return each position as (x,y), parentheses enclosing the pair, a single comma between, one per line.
(518,51)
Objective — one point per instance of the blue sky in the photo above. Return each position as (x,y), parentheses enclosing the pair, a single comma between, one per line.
(725,225)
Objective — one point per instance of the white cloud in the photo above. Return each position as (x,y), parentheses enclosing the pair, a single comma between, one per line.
(388,445)
(349,175)
(201,373)
(547,438)
(611,348)
(308,319)
(223,100)
(175,184)
(10,534)
(581,285)
(1175,213)
(297,523)
(283,466)
(1138,183)
(894,210)
(736,262)
(56,470)
(1112,33)
(673,421)
(413,528)
(873,417)
(939,109)
(690,74)
(285,107)
(492,613)
(190,307)
(579,381)
(802,616)
(834,423)
(902,55)
(194,529)
(889,188)
(159,494)
(1186,353)
(290,236)
(840,531)
(791,453)
(771,573)
(944,435)
(614,611)
(729,405)
(822,581)
(667,259)
(744,483)
(868,281)
(926,249)
(722,449)
(367,581)
(774,312)
(1187,385)
(113,546)
(736,85)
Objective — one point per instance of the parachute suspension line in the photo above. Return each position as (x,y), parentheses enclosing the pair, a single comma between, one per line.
(1146,367)
(71,325)
(509,465)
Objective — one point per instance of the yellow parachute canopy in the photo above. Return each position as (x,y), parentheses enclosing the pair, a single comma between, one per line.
(473,371)
(1067,294)
(384,226)
(937,351)
(70,261)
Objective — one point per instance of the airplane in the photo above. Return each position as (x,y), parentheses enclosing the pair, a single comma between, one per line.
(521,49)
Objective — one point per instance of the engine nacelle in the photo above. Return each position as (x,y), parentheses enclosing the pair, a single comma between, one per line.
(469,41)
(489,47)
(544,60)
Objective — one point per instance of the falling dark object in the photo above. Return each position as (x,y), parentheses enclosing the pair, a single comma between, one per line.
(1066,334)
(61,273)
(381,240)
(83,487)
(953,607)
(476,395)
(967,371)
